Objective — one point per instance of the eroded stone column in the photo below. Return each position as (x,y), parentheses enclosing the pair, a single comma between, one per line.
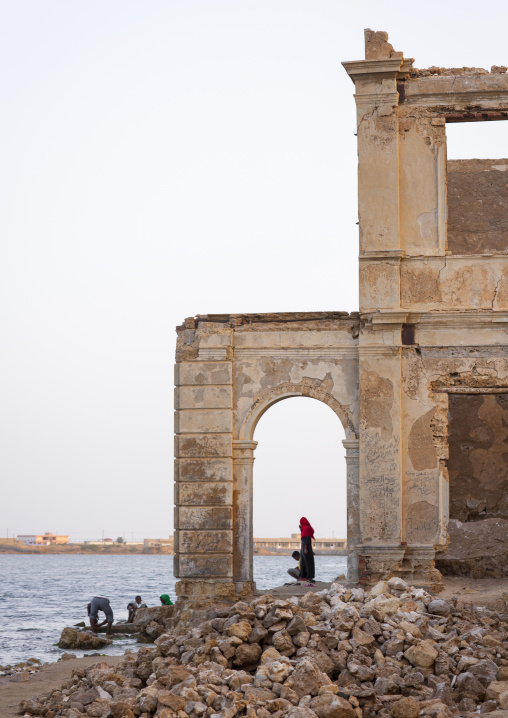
(354,536)
(243,462)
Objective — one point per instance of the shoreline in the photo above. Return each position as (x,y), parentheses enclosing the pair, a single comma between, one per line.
(458,593)
(130,552)
(84,552)
(48,676)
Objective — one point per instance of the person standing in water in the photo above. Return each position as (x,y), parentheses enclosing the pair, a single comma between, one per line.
(306,551)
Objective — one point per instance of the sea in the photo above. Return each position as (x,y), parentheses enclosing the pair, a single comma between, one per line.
(41,595)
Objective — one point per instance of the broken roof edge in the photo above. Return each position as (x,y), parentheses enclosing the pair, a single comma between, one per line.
(241,319)
(435,71)
(379,50)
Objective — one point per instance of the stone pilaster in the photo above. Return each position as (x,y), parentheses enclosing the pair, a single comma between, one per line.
(354,536)
(243,462)
(380,457)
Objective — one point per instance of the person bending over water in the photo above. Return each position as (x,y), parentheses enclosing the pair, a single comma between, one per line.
(133,606)
(306,551)
(100,603)
(165,600)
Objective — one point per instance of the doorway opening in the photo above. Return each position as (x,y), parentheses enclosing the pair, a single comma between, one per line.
(478,476)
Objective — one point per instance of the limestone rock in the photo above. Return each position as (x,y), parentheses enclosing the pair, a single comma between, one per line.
(144,616)
(381,588)
(282,642)
(170,700)
(406,708)
(301,712)
(422,654)
(247,654)
(439,607)
(328,705)
(362,638)
(495,689)
(241,630)
(296,625)
(384,606)
(270,654)
(308,679)
(82,640)
(485,671)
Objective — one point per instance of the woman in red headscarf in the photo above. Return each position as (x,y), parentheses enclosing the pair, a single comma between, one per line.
(306,552)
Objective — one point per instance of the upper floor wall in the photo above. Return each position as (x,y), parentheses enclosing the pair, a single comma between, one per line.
(433,234)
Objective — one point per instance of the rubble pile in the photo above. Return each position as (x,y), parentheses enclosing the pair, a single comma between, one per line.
(340,653)
(20,671)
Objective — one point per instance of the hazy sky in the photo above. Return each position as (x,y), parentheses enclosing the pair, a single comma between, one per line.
(162,159)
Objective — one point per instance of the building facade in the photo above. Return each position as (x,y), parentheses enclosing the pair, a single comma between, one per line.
(427,349)
(47,539)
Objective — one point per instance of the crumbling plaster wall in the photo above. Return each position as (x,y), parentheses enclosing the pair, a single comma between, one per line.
(478,206)
(475,440)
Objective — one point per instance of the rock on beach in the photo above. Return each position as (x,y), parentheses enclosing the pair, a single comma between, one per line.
(83,640)
(340,653)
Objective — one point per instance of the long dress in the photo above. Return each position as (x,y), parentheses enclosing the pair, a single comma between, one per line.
(307,559)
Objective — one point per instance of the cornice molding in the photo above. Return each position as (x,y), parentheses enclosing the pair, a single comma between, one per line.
(373,99)
(297,352)
(381,255)
(371,350)
(464,319)
(391,66)
(494,99)
(390,317)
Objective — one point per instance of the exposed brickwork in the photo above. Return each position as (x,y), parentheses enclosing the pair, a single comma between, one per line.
(363,570)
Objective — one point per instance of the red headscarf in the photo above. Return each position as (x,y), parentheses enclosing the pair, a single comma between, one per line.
(307,529)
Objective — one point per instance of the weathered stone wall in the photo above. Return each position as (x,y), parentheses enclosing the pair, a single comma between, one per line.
(230,369)
(478,206)
(478,463)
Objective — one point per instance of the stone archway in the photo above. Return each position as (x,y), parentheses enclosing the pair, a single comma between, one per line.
(229,371)
(312,388)
(243,463)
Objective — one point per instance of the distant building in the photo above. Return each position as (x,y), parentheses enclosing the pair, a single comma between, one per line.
(287,545)
(47,539)
(158,543)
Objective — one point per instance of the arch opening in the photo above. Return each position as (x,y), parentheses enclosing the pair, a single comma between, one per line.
(243,461)
(299,471)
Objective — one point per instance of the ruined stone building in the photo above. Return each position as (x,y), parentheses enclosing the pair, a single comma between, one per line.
(418,377)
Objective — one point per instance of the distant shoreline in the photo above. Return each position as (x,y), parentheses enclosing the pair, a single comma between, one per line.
(77,549)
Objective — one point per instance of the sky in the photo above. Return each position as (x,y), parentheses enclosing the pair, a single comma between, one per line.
(162,159)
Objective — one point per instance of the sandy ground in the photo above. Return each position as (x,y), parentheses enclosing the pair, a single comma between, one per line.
(491,592)
(481,591)
(51,676)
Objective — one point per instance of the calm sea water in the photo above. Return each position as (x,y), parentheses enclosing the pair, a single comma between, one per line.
(40,595)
